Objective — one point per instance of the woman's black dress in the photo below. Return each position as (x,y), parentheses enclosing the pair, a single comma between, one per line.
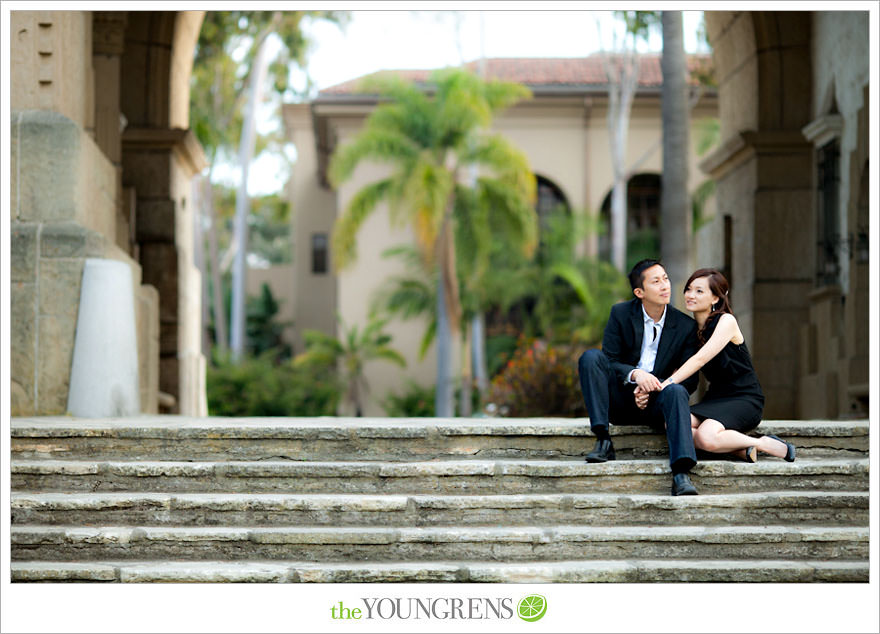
(734,397)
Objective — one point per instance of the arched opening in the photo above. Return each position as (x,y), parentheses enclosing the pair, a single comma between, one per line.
(549,202)
(643,220)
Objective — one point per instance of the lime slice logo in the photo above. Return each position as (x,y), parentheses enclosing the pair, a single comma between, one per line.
(532,607)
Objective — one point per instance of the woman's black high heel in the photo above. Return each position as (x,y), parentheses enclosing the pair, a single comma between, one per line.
(789,455)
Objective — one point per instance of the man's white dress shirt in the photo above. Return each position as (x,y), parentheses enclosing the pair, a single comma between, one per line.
(650,342)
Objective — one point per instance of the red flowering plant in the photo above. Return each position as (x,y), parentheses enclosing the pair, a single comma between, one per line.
(538,380)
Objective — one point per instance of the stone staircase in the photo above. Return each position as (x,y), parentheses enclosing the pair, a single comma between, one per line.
(174,499)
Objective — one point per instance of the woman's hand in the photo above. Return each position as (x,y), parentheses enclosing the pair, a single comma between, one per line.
(665,383)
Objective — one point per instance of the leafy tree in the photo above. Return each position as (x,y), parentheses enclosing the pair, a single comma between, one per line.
(622,72)
(229,70)
(429,138)
(349,354)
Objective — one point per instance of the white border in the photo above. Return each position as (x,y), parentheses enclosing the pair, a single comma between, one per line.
(573,607)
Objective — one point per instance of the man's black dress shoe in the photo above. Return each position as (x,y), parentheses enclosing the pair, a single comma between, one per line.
(682,485)
(603,452)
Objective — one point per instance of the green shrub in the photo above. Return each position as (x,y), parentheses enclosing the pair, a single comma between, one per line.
(258,387)
(539,380)
(416,401)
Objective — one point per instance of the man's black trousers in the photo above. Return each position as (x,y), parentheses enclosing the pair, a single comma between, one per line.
(609,400)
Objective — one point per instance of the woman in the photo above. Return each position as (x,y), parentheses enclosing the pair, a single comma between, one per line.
(734,403)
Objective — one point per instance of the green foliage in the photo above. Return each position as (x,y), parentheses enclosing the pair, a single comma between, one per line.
(640,23)
(264,333)
(540,380)
(348,355)
(257,386)
(427,138)
(228,42)
(499,350)
(416,401)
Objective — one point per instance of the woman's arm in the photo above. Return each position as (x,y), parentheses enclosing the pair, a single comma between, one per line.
(724,333)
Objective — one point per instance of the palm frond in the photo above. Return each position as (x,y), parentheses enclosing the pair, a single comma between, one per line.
(343,240)
(380,145)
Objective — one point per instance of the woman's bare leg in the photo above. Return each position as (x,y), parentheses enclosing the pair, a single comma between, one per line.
(773,447)
(711,436)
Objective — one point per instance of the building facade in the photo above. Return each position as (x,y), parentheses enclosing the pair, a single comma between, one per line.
(564,132)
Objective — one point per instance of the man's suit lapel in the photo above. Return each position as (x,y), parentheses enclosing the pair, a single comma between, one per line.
(638,324)
(666,339)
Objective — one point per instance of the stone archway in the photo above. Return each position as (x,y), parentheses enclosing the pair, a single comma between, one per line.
(763,170)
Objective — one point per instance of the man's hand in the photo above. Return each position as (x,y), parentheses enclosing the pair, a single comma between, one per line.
(646,381)
(641,397)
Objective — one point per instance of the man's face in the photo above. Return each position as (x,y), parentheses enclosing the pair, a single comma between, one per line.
(656,288)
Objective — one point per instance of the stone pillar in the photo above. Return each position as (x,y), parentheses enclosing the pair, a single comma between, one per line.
(63,200)
(159,164)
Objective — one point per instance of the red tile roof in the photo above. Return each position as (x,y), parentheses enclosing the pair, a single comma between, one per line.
(541,72)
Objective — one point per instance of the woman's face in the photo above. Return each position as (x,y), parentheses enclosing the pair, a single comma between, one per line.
(698,297)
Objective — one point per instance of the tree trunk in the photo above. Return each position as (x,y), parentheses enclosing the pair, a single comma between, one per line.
(220,338)
(481,373)
(676,221)
(242,202)
(464,405)
(443,398)
(622,73)
(198,187)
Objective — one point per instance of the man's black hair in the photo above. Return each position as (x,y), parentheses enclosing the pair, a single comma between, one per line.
(636,276)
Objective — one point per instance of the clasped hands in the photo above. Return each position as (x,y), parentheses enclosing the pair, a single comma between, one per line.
(645,384)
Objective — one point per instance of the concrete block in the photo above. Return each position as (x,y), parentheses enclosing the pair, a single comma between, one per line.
(23,252)
(55,355)
(70,240)
(156,221)
(60,282)
(22,335)
(62,175)
(46,169)
(148,347)
(148,172)
(159,261)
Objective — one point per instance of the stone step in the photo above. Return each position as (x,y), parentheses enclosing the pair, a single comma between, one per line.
(630,571)
(266,509)
(183,438)
(375,544)
(468,476)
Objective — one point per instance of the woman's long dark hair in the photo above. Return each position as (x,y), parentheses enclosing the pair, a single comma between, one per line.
(720,289)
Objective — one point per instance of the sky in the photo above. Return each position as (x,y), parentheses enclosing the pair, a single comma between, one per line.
(380,39)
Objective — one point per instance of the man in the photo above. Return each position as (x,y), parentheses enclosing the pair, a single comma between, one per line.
(645,341)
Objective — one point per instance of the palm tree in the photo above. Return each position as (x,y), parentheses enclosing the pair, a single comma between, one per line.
(675,229)
(351,353)
(430,140)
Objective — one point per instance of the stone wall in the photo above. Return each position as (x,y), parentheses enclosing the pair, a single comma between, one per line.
(69,203)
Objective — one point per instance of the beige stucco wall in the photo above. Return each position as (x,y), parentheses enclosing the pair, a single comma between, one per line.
(312,297)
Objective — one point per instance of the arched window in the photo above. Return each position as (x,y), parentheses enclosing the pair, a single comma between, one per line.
(643,220)
(550,199)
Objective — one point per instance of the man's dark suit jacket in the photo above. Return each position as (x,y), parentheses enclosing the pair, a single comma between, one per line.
(622,343)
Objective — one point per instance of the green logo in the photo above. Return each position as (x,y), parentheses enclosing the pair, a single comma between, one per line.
(532,607)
